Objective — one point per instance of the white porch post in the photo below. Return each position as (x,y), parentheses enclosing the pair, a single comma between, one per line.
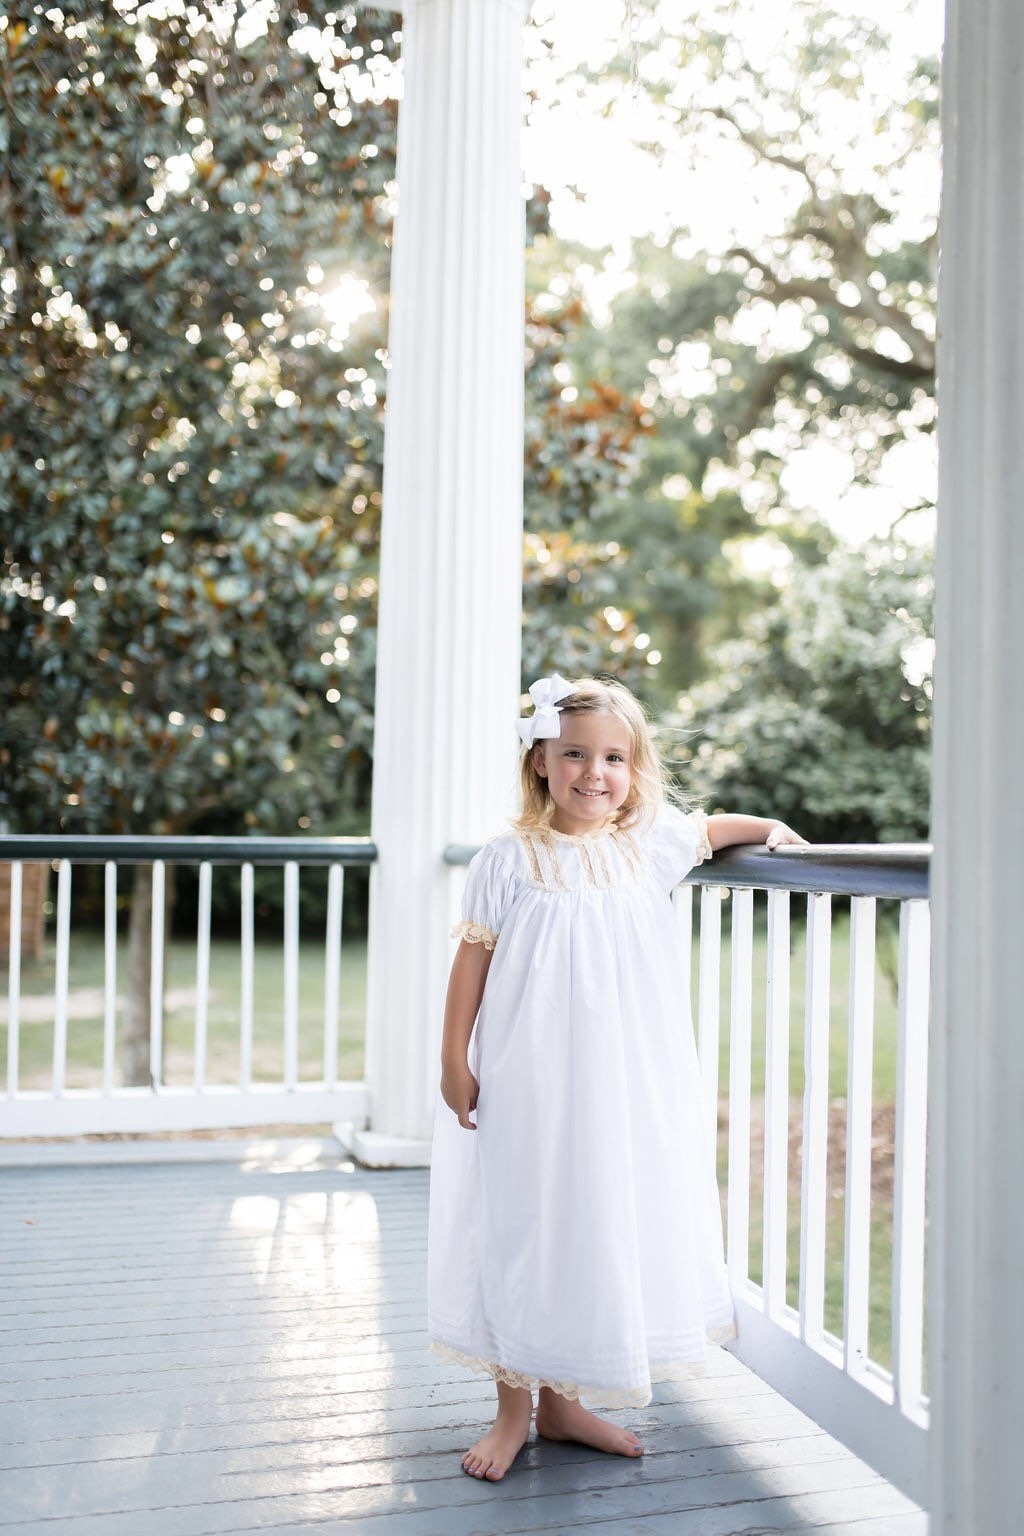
(451,555)
(977,1240)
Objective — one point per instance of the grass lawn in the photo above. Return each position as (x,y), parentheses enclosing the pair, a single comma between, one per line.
(85,1051)
(85,1022)
(884,1079)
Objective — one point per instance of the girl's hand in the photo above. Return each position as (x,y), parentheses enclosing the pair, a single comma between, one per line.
(459,1089)
(780,834)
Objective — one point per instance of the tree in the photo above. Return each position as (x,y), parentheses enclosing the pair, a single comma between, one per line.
(191,440)
(799,318)
(190,450)
(581,450)
(820,712)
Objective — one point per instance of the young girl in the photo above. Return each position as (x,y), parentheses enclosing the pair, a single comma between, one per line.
(575,1235)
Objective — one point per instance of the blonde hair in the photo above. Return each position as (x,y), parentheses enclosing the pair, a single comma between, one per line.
(649,782)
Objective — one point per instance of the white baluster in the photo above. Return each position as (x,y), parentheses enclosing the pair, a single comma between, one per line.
(814,1187)
(156,979)
(909,1165)
(14,981)
(60,1001)
(109,975)
(776,1105)
(291,975)
(858,1135)
(248,923)
(741,1014)
(332,971)
(202,974)
(709,999)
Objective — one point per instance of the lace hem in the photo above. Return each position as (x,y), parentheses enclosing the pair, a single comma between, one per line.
(704,848)
(599,1397)
(608,1398)
(475,933)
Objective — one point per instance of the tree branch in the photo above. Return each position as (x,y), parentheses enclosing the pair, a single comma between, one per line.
(921,364)
(760,146)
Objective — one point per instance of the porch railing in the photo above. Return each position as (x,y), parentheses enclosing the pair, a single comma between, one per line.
(811,1303)
(299,1097)
(830,1145)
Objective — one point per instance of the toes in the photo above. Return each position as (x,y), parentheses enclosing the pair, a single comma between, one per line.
(494,1474)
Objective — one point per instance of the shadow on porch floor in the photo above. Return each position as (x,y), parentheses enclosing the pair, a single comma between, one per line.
(236,1344)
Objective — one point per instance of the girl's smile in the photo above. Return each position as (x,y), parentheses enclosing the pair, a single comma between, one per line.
(587,770)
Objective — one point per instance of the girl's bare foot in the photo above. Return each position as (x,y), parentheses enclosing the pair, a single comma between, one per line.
(495,1452)
(561,1418)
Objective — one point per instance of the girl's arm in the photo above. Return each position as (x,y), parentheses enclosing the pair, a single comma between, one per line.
(725,830)
(459,1088)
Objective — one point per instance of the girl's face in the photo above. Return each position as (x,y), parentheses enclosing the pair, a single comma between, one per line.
(587,770)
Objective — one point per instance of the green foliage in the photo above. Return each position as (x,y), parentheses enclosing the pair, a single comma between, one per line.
(803,315)
(581,452)
(192,441)
(190,450)
(820,713)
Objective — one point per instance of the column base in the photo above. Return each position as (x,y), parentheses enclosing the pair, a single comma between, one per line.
(375,1149)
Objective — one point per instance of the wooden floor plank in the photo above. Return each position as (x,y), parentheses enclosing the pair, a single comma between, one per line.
(151,1486)
(202,1349)
(241,1448)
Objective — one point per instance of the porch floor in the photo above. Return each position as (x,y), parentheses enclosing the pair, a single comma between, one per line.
(232,1340)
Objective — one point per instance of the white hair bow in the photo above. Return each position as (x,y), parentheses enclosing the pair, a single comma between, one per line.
(544,722)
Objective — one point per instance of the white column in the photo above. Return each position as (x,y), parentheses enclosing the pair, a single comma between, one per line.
(977,1154)
(451,554)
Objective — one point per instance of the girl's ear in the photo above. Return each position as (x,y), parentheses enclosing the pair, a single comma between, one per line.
(537,759)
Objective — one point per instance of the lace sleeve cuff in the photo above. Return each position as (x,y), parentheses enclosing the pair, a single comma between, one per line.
(475,933)
(704,848)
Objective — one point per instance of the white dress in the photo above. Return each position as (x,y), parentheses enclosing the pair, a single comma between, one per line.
(575,1237)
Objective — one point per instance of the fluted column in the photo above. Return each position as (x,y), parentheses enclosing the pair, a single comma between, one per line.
(977,1153)
(451,552)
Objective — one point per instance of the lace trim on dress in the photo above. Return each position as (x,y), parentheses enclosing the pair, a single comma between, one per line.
(546,842)
(543,849)
(620,1398)
(531,855)
(599,1397)
(587,863)
(475,933)
(630,853)
(704,848)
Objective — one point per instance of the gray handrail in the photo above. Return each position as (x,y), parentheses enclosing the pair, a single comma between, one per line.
(97,849)
(898,871)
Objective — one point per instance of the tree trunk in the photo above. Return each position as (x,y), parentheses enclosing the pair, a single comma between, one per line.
(137,1021)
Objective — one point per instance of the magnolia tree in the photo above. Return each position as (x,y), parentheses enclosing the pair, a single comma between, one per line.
(191,425)
(191,428)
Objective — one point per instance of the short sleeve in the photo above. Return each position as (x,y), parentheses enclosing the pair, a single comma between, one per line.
(486,898)
(677,841)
